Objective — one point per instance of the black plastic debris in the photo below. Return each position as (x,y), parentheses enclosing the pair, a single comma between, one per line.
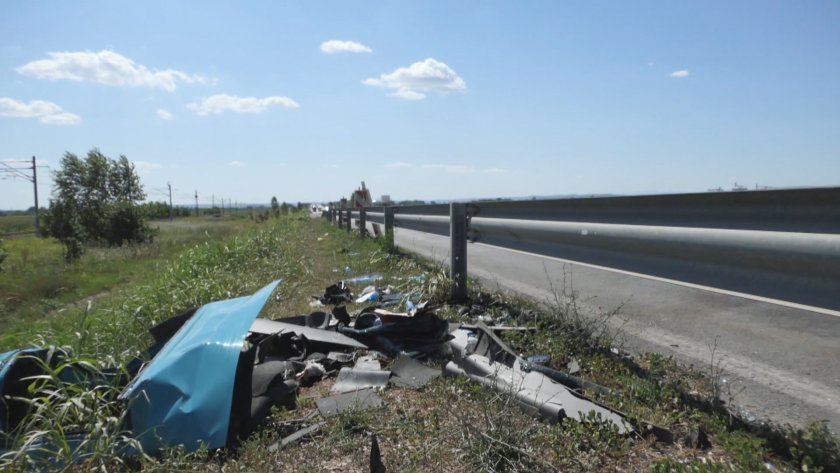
(315,320)
(340,314)
(566,379)
(420,335)
(410,373)
(337,293)
(376,465)
(356,400)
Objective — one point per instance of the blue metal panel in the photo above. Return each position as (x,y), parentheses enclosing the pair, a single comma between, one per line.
(8,359)
(184,395)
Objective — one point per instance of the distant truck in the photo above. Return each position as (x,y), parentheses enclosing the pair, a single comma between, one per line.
(361,198)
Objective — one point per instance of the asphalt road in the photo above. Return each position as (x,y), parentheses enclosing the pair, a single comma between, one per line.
(780,363)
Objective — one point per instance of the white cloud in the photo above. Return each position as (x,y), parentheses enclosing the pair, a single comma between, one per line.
(146,165)
(105,67)
(337,46)
(164,114)
(398,164)
(236,164)
(407,94)
(494,171)
(45,112)
(220,103)
(679,74)
(412,82)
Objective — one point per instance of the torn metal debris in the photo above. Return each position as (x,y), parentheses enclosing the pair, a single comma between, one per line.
(410,373)
(483,357)
(354,400)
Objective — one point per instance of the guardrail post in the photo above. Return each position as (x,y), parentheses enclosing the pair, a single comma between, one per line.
(339,218)
(458,251)
(389,228)
(362,222)
(349,219)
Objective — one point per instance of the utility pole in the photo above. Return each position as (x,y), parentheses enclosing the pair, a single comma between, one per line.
(170,200)
(17,169)
(35,185)
(196,202)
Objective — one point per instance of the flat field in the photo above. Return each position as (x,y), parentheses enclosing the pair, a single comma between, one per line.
(36,281)
(16,223)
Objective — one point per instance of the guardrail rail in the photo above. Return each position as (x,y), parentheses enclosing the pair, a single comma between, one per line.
(776,244)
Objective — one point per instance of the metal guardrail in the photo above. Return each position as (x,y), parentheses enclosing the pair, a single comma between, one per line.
(781,244)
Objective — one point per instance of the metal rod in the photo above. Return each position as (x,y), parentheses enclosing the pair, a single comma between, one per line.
(35,185)
(458,254)
(389,228)
(349,219)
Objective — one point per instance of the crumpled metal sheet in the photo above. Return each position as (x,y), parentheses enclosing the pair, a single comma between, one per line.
(356,400)
(353,379)
(410,373)
(7,359)
(490,361)
(269,327)
(184,395)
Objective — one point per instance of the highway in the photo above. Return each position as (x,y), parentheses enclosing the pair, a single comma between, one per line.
(780,361)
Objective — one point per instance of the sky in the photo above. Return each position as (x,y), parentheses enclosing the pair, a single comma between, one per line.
(427,100)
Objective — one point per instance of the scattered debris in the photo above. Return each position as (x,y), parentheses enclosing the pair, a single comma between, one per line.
(213,374)
(493,364)
(697,439)
(356,400)
(376,465)
(573,367)
(353,379)
(317,335)
(297,436)
(566,379)
(410,373)
(366,279)
(338,293)
(420,335)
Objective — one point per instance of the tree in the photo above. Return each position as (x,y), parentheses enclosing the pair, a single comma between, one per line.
(275,207)
(95,200)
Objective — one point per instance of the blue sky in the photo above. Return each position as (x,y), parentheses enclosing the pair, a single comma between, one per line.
(428,100)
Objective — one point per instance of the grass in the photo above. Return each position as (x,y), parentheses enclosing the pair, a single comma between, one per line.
(451,425)
(16,223)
